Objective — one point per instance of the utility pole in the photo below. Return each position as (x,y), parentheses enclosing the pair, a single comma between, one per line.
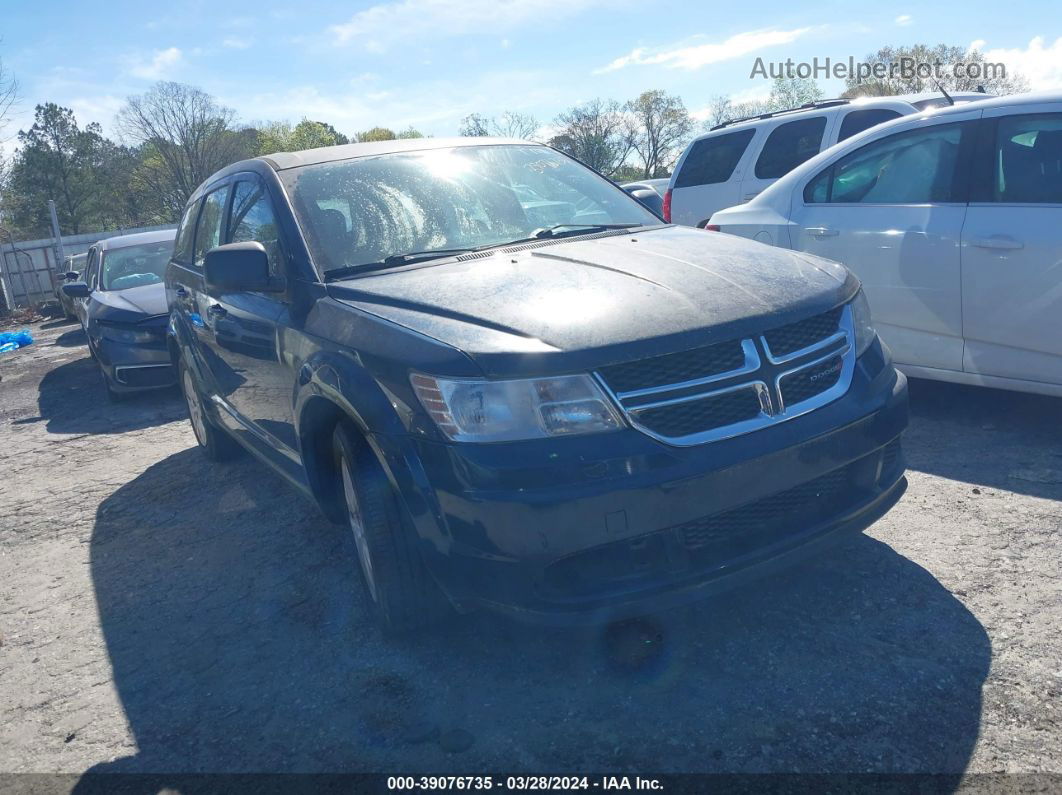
(57,236)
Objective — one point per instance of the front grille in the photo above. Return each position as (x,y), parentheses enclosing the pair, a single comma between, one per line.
(737,386)
(675,368)
(161,375)
(693,416)
(811,381)
(802,334)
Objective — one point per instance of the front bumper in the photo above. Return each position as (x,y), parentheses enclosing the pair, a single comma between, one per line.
(135,367)
(595,528)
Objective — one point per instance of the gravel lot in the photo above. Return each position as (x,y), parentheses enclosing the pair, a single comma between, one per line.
(161,613)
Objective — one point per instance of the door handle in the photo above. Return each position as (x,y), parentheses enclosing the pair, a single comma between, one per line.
(750,196)
(822,231)
(999,242)
(180,292)
(217,310)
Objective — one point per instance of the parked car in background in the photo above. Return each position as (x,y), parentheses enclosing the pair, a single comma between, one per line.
(953,220)
(734,161)
(122,307)
(74,265)
(565,421)
(649,192)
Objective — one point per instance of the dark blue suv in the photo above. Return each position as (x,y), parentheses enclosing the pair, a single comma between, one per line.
(518,387)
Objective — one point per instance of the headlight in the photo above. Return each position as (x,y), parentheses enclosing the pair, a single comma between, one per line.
(129,336)
(861,320)
(499,411)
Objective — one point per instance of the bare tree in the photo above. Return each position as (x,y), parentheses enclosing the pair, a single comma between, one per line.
(509,124)
(785,93)
(186,135)
(660,126)
(8,95)
(597,133)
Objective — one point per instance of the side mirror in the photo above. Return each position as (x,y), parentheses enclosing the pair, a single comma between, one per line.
(70,276)
(76,290)
(239,268)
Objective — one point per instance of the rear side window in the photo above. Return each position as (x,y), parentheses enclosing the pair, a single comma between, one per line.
(208,230)
(1028,160)
(713,160)
(859,120)
(253,219)
(789,145)
(915,167)
(182,247)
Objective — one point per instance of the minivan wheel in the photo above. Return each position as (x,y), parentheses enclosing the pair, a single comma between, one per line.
(214,442)
(403,594)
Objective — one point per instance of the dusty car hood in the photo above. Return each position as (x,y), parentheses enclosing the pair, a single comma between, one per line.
(130,305)
(618,297)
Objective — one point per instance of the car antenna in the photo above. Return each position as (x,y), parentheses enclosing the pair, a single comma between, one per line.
(981,90)
(947,96)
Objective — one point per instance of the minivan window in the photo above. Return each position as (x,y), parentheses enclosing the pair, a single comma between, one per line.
(1028,159)
(789,145)
(253,219)
(713,160)
(859,120)
(208,230)
(915,167)
(363,210)
(182,247)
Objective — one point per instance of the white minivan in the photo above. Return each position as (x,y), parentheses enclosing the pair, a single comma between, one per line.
(736,160)
(953,222)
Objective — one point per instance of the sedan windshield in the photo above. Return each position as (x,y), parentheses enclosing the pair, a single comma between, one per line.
(134,266)
(374,210)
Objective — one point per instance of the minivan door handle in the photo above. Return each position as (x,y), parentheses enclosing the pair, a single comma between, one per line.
(999,242)
(750,196)
(180,292)
(822,231)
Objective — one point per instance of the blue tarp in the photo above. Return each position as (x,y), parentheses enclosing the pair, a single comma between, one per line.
(13,340)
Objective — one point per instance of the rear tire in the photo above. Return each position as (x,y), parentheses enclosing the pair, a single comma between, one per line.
(215,443)
(402,592)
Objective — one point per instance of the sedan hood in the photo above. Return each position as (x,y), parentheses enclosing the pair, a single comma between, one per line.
(130,305)
(591,301)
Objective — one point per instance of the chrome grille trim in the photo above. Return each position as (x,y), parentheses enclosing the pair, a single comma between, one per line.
(765,375)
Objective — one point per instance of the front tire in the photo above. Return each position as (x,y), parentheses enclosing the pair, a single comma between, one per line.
(214,442)
(401,590)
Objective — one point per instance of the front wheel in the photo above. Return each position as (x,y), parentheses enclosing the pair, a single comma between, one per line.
(214,442)
(403,594)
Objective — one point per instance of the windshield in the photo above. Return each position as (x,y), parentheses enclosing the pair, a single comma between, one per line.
(362,211)
(134,266)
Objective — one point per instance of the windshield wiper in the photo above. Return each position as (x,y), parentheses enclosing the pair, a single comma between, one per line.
(395,260)
(576,229)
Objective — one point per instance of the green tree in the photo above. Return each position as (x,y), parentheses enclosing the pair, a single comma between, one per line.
(57,160)
(376,134)
(1004,82)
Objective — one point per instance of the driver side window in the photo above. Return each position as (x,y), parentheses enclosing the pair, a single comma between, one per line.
(253,219)
(208,231)
(915,167)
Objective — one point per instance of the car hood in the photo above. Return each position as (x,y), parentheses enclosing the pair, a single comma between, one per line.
(130,305)
(586,302)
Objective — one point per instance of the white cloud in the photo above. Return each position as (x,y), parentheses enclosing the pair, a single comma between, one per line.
(383,25)
(903,20)
(162,63)
(1040,63)
(977,44)
(236,43)
(691,55)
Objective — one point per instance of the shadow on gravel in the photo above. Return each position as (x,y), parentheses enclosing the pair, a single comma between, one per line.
(240,641)
(986,437)
(72,399)
(73,338)
(64,321)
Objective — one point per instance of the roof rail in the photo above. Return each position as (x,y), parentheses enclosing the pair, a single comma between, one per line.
(822,103)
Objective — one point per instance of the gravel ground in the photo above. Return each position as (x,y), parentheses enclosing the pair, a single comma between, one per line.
(161,613)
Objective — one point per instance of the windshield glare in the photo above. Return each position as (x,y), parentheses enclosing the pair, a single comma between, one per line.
(135,266)
(364,210)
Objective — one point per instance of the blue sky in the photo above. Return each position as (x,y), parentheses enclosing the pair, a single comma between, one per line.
(427,63)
